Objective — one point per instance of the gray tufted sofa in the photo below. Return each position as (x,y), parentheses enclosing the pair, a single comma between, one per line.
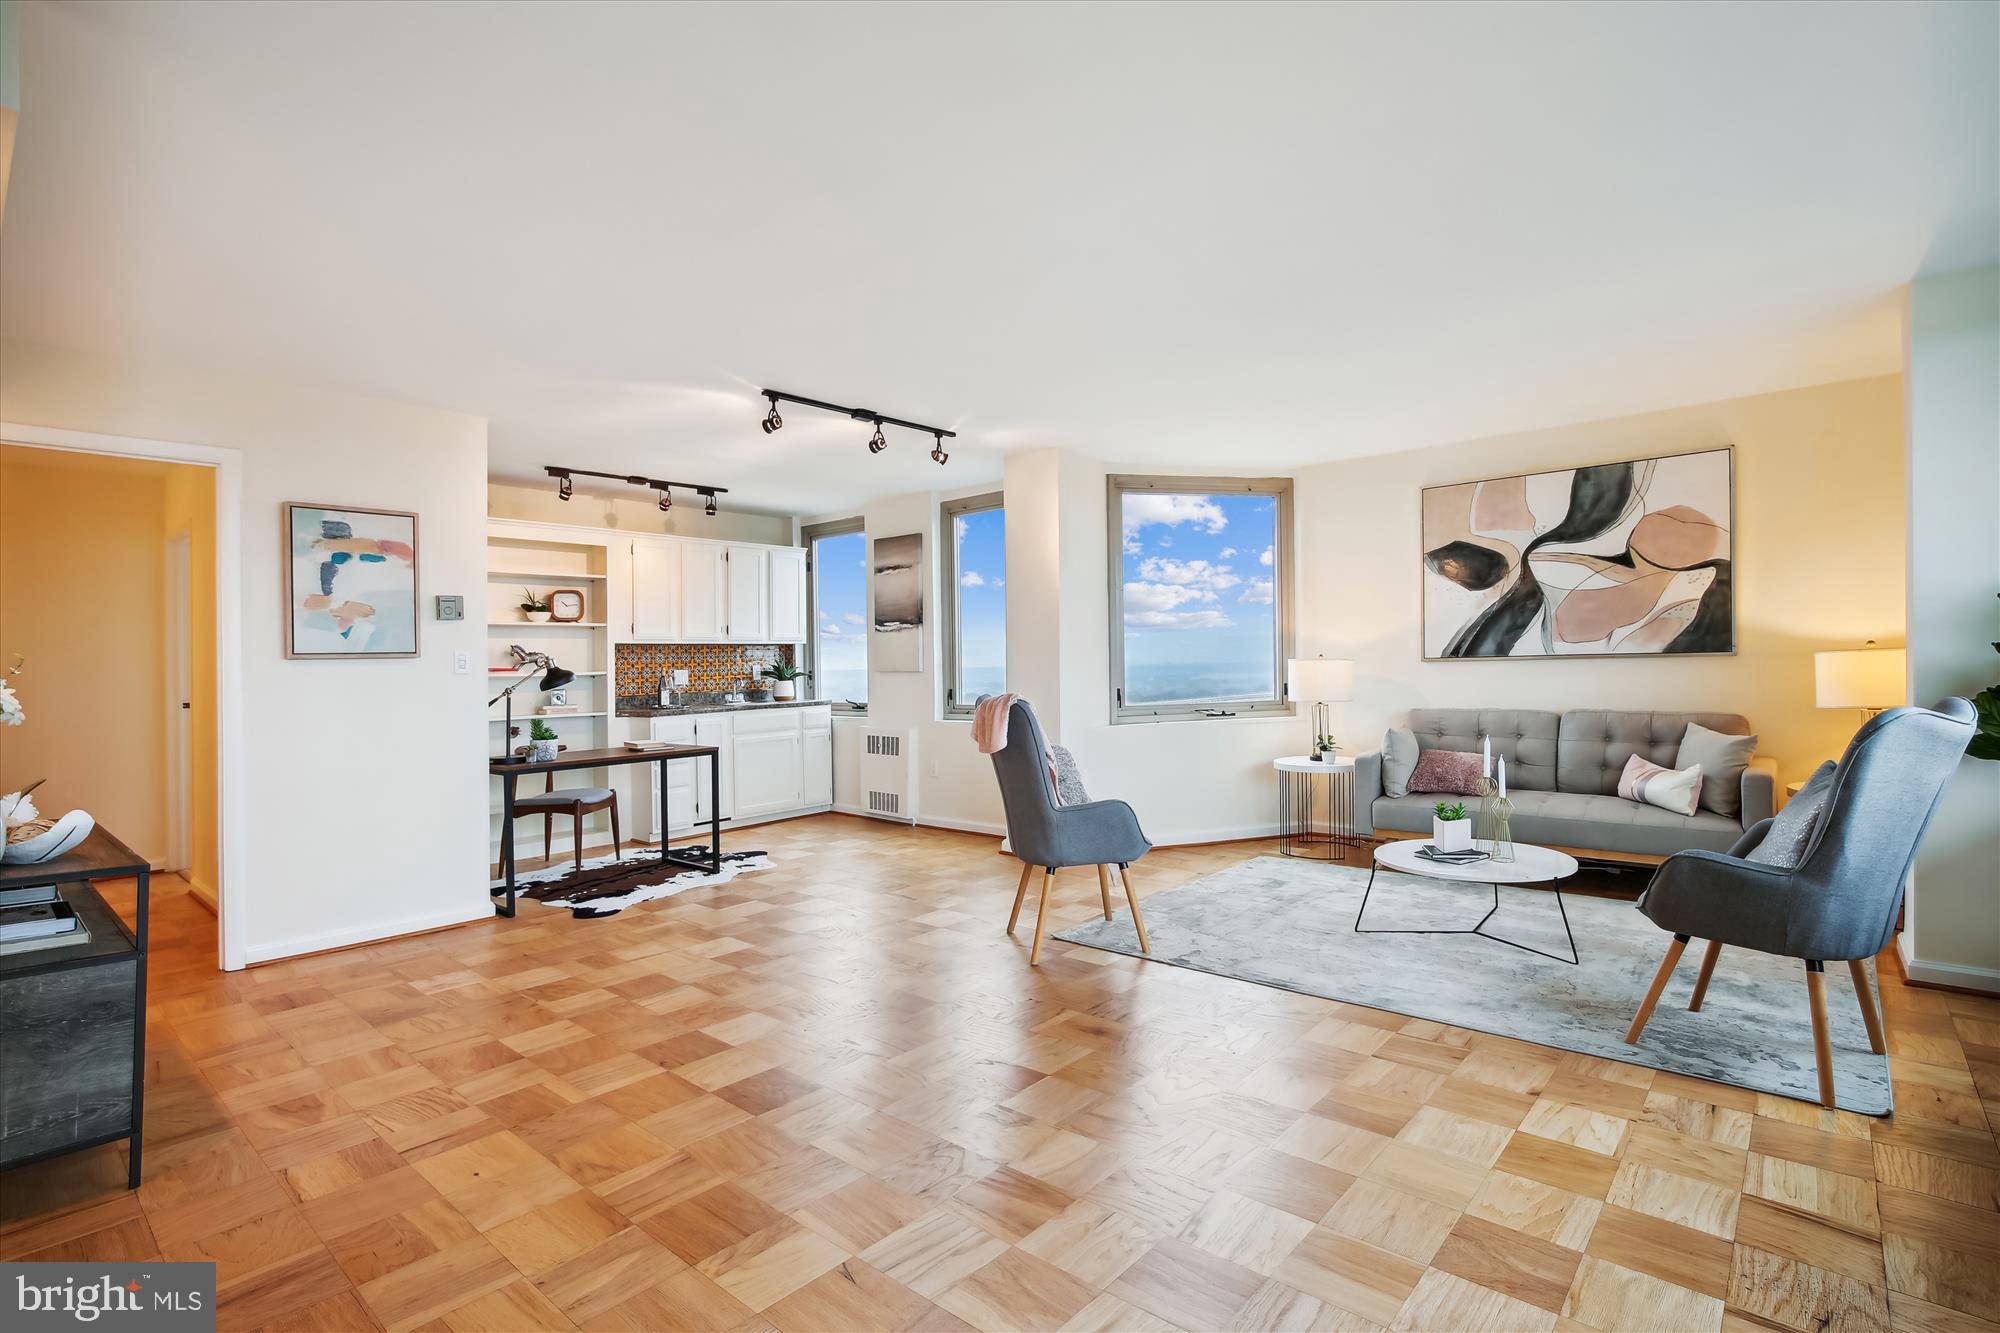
(1562,776)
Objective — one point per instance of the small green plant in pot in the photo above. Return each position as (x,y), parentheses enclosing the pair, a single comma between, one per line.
(1451,830)
(542,745)
(534,606)
(784,678)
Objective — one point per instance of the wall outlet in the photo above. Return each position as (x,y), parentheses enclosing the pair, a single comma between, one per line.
(461,663)
(680,676)
(934,769)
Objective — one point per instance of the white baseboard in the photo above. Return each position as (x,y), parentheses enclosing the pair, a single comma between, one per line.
(1239,833)
(1945,974)
(370,934)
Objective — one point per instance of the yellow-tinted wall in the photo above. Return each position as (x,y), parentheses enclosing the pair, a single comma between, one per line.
(83,600)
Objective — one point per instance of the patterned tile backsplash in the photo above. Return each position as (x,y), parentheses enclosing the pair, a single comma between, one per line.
(711,667)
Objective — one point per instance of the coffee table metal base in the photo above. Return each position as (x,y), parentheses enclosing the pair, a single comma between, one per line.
(1574,958)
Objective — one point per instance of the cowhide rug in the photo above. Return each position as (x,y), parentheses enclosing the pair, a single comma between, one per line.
(606,886)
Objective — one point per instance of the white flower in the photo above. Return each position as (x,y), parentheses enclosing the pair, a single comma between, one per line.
(16,808)
(11,712)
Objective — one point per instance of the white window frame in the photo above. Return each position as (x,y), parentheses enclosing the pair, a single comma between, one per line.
(1280,489)
(810,534)
(948,619)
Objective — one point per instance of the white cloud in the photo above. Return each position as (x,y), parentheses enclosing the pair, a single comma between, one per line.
(1265,559)
(1187,573)
(1161,596)
(830,630)
(1225,553)
(972,579)
(999,583)
(1145,508)
(854,619)
(1258,593)
(1203,619)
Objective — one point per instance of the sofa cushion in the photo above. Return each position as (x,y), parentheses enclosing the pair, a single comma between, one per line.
(1572,819)
(1721,759)
(1445,773)
(1527,738)
(1594,743)
(1399,760)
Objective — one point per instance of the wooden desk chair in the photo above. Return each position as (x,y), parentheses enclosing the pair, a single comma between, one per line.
(576,802)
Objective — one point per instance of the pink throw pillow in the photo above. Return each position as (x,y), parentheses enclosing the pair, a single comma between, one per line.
(1451,772)
(1677,790)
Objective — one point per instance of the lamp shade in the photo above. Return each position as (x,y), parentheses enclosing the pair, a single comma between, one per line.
(1320,679)
(1860,678)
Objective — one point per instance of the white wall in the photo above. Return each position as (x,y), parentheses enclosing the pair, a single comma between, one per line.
(363,808)
(1819,565)
(1952,369)
(541,504)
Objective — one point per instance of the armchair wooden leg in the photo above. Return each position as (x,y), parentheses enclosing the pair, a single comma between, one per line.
(1020,894)
(1869,1013)
(1041,916)
(1138,922)
(1674,952)
(1104,891)
(1707,971)
(1822,1043)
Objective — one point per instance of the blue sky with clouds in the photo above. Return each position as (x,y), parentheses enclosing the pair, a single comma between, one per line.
(1200,614)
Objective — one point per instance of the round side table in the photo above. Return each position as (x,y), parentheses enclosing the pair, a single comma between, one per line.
(1316,822)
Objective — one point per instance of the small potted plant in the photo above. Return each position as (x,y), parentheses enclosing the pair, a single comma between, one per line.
(1451,830)
(542,745)
(1322,748)
(534,606)
(784,680)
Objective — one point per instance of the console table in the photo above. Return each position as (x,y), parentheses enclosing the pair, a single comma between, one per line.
(73,1016)
(1302,830)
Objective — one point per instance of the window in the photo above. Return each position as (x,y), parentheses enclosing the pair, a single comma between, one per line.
(973,575)
(837,608)
(1200,596)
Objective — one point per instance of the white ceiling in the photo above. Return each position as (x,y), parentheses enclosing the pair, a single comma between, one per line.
(1244,235)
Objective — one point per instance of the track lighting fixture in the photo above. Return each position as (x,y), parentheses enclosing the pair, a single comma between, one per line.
(565,487)
(877,442)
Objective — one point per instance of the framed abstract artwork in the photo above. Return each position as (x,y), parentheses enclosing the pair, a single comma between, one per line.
(350,582)
(1616,560)
(898,584)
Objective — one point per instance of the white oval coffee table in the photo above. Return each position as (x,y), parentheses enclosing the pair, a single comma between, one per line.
(1531,865)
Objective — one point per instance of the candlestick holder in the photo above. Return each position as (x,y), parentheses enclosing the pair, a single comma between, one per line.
(1482,821)
(1500,813)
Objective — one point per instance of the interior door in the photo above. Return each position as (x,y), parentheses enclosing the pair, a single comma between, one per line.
(788,595)
(656,590)
(703,604)
(749,578)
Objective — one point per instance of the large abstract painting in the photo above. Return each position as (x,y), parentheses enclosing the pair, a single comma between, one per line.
(1619,559)
(898,567)
(350,582)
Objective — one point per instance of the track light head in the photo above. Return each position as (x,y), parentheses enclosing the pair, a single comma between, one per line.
(666,499)
(709,508)
(772,420)
(564,486)
(938,455)
(876,444)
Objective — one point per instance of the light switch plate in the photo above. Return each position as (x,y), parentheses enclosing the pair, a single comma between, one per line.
(680,676)
(450,606)
(461,663)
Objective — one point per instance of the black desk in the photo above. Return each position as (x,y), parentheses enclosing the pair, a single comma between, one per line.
(73,1017)
(510,776)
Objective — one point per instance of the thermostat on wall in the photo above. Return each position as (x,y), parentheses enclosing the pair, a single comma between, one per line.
(450,607)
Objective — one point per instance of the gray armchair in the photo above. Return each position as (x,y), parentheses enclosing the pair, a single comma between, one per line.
(1839,901)
(1042,833)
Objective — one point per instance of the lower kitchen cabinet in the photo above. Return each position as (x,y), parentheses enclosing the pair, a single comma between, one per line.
(774,762)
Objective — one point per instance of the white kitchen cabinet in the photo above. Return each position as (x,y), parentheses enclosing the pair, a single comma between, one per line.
(748,583)
(687,779)
(768,776)
(656,590)
(704,590)
(786,610)
(816,756)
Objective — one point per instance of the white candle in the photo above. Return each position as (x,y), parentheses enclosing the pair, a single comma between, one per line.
(1503,777)
(1485,756)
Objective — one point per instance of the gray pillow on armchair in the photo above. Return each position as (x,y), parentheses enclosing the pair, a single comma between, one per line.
(1784,843)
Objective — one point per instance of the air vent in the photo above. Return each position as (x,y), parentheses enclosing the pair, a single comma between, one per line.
(884,743)
(889,774)
(885,803)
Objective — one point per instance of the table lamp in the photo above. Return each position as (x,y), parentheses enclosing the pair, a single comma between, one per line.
(553,678)
(1870,678)
(1320,681)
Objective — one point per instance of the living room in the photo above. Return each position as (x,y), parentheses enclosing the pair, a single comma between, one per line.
(1136,666)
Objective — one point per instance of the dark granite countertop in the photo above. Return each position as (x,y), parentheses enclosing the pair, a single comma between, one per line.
(689,704)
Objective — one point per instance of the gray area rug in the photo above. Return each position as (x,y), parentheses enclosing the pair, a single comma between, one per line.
(1290,924)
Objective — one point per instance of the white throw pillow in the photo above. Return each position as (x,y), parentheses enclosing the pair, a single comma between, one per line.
(1675,789)
(1399,760)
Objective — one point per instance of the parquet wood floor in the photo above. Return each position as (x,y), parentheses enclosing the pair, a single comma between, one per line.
(835,1096)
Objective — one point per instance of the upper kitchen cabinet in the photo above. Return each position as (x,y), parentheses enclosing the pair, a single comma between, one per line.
(687,590)
(788,595)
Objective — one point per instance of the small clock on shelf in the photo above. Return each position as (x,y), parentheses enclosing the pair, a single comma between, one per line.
(566,604)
